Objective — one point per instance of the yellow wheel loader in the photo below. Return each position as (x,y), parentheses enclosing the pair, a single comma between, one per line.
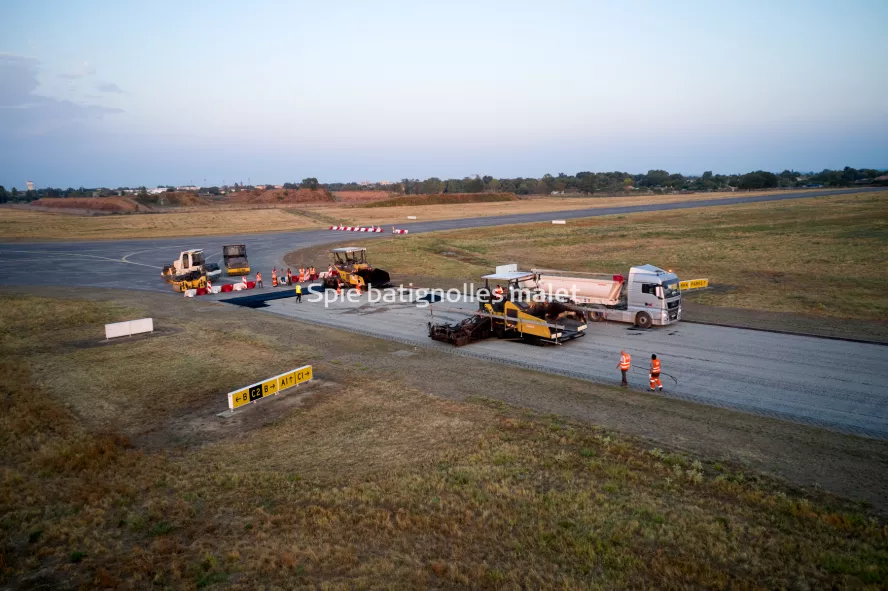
(351,268)
(186,272)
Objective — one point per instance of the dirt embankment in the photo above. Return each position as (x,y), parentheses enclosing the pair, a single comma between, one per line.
(361,196)
(173,199)
(93,204)
(443,199)
(282,196)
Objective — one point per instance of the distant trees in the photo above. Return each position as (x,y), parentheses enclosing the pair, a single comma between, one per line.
(15,193)
(310,183)
(4,196)
(759,179)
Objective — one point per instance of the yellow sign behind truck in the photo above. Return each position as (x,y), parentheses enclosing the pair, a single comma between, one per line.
(693,284)
(269,387)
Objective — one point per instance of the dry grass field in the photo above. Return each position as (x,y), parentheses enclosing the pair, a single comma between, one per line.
(18,224)
(117,474)
(815,256)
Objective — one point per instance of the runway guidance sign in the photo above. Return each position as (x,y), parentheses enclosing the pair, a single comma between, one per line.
(269,387)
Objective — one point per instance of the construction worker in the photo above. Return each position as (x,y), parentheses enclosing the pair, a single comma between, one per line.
(498,292)
(655,373)
(358,288)
(624,365)
(298,293)
(274,277)
(301,274)
(338,287)
(259,279)
(289,277)
(312,273)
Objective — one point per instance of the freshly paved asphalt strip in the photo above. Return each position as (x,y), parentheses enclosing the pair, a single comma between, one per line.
(827,383)
(824,382)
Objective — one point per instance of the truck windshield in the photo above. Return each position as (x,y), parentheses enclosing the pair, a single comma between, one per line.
(670,290)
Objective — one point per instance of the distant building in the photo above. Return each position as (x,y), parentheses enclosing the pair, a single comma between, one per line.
(386,183)
(278,186)
(30,185)
(187,188)
(157,190)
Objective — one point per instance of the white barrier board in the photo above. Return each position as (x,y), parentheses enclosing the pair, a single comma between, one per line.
(559,222)
(411,217)
(129,328)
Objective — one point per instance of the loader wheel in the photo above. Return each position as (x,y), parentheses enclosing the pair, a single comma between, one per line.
(643,320)
(499,332)
(461,341)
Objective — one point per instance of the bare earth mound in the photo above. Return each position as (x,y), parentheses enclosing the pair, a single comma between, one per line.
(106,204)
(361,196)
(283,196)
(172,199)
(443,199)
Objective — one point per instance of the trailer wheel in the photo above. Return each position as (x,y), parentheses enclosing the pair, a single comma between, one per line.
(643,320)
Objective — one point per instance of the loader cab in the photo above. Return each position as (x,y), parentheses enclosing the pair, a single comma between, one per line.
(191,258)
(349,257)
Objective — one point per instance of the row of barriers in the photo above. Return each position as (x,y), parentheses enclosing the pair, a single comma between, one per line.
(371,229)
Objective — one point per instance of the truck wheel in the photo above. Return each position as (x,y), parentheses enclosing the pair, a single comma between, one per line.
(643,320)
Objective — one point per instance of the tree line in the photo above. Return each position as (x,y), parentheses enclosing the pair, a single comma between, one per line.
(585,182)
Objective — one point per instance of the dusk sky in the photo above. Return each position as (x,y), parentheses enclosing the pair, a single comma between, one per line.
(108,93)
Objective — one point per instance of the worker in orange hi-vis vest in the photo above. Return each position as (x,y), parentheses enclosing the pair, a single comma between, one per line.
(274,277)
(358,288)
(259,279)
(289,276)
(624,365)
(311,273)
(301,274)
(338,287)
(655,374)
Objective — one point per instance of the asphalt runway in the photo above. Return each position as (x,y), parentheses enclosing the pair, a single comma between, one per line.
(824,382)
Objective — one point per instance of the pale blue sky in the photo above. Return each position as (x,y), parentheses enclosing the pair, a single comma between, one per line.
(128,93)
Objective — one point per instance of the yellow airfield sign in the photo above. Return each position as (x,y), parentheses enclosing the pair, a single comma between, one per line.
(693,284)
(269,387)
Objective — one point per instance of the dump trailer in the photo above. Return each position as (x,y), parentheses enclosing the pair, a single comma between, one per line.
(234,256)
(186,272)
(517,315)
(650,297)
(351,268)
